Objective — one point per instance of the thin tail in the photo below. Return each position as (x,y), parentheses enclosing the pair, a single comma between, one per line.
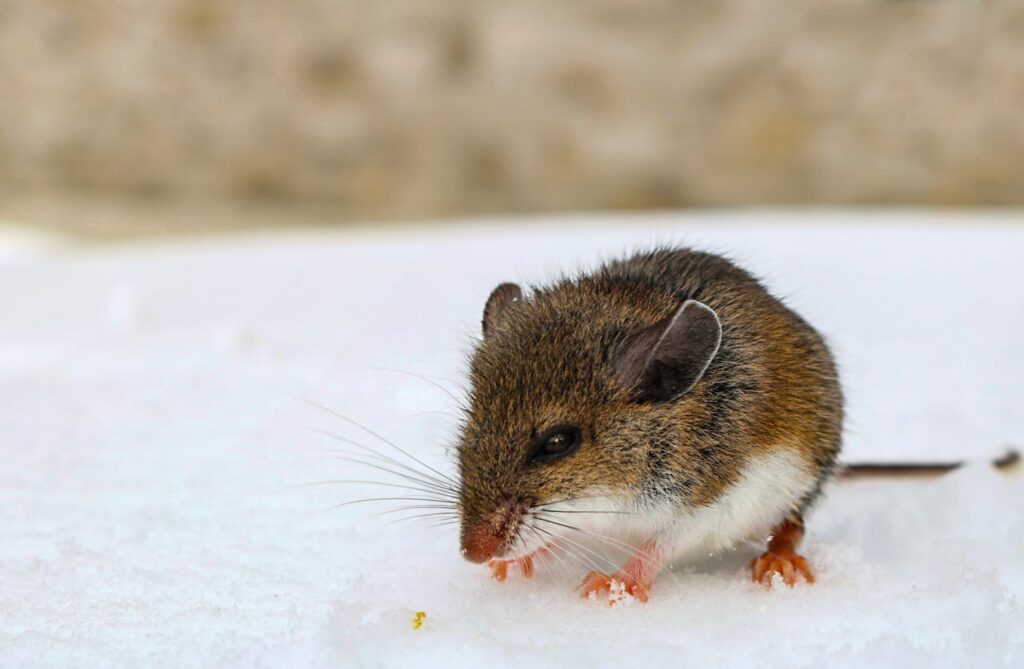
(919,469)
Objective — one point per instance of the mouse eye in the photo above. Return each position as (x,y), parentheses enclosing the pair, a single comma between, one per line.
(555,443)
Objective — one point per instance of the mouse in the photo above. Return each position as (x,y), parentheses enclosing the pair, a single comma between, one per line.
(665,401)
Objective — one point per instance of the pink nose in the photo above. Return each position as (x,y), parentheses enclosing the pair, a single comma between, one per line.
(479,544)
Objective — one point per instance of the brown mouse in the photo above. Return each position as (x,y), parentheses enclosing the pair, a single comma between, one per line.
(667,398)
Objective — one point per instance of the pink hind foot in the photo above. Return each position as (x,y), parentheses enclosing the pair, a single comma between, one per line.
(781,557)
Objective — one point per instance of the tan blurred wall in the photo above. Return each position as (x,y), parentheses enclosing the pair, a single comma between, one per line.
(434,107)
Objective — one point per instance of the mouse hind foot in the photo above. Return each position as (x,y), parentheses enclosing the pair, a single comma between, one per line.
(786,565)
(781,557)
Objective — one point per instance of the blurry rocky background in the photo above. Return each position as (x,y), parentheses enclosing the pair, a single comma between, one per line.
(381,109)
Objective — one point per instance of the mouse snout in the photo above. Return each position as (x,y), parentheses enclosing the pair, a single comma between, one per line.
(488,537)
(480,544)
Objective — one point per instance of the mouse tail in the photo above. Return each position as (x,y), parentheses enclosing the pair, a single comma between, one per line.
(863,470)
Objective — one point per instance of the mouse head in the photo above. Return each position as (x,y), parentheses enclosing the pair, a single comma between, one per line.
(571,389)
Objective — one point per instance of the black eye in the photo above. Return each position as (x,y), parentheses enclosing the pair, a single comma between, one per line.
(555,443)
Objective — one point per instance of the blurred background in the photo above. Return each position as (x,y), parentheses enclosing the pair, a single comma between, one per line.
(127,117)
(163,373)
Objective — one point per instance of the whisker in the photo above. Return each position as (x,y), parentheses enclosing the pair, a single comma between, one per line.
(518,541)
(543,510)
(613,566)
(432,486)
(597,535)
(443,523)
(437,412)
(587,549)
(374,434)
(421,377)
(545,551)
(421,527)
(388,499)
(381,456)
(367,482)
(367,452)
(547,559)
(445,511)
(426,526)
(433,514)
(554,539)
(569,499)
(612,540)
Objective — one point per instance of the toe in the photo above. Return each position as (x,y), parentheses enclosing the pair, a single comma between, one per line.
(801,565)
(788,573)
(759,567)
(593,583)
(639,591)
(499,569)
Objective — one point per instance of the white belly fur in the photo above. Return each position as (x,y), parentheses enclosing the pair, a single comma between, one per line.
(768,489)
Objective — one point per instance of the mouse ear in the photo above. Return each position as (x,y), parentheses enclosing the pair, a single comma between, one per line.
(664,361)
(502,297)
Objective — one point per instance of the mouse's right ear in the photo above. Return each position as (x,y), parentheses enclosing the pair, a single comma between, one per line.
(664,361)
(502,297)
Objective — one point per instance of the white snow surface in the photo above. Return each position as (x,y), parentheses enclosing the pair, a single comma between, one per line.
(156,438)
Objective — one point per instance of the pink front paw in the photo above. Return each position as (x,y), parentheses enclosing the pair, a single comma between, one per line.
(619,588)
(499,568)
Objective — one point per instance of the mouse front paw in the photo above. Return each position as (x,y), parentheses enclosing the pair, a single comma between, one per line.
(786,564)
(499,568)
(619,588)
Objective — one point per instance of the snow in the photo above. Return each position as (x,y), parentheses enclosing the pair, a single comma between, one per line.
(157,439)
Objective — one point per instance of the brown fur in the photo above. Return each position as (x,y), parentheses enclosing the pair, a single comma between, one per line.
(547,359)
